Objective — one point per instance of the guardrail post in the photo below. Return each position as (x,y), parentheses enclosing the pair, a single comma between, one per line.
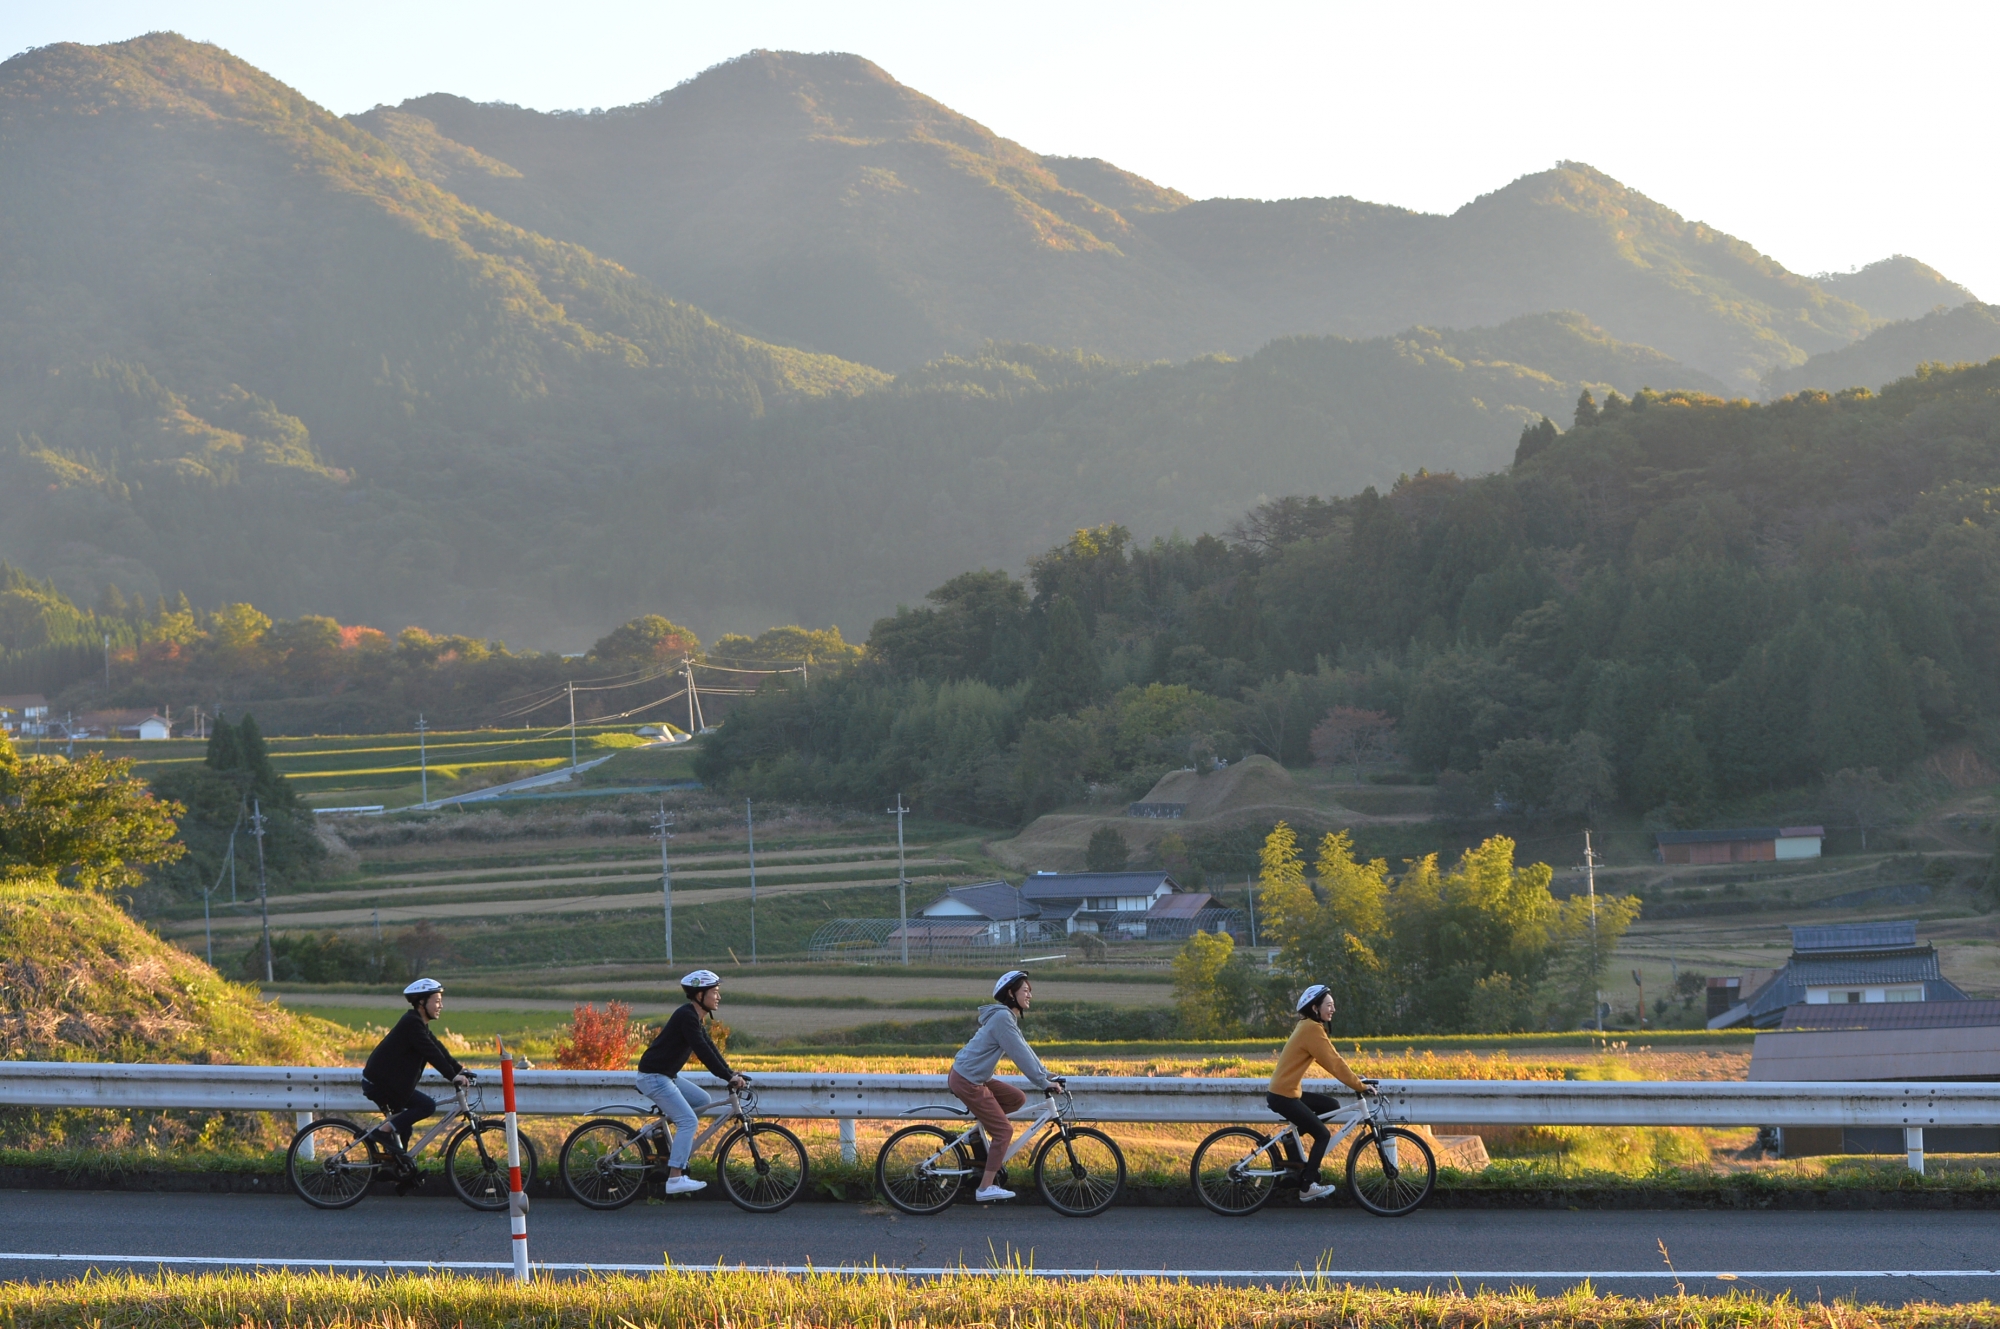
(847,1151)
(1913,1143)
(305,1119)
(517,1199)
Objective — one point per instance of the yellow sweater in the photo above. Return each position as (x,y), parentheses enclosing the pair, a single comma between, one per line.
(1309,1044)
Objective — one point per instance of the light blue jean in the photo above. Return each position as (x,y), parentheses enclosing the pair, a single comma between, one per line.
(680,1098)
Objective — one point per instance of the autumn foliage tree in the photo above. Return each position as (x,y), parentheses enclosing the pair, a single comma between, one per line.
(1351,736)
(598,1040)
(87,821)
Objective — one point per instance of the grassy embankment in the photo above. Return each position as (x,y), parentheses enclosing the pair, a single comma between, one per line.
(717,1299)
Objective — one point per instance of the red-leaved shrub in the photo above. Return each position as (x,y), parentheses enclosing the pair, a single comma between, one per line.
(598,1040)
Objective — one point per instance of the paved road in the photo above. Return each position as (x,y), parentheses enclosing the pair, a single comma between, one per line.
(1815,1256)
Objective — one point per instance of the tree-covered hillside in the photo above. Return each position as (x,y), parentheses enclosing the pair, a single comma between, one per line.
(818,201)
(1897,287)
(1679,603)
(170,215)
(1968,334)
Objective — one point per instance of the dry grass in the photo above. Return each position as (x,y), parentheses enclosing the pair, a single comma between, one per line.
(717,1298)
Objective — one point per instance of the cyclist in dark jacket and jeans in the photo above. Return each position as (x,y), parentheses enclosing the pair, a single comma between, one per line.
(389,1080)
(685,1034)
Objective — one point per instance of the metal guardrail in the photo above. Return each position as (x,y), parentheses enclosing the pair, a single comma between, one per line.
(309,1090)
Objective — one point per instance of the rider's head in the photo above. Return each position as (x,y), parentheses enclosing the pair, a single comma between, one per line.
(1007,991)
(1315,1003)
(703,987)
(425,996)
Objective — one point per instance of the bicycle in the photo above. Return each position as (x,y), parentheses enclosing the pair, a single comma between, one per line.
(333,1161)
(1236,1170)
(760,1165)
(920,1169)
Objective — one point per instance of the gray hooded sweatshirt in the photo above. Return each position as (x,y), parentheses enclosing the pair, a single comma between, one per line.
(999,1036)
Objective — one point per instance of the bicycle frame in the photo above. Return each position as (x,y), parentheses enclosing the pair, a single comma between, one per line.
(1368,1109)
(462,1110)
(1056,1110)
(659,1128)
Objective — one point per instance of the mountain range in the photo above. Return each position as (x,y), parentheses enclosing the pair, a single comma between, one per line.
(790,341)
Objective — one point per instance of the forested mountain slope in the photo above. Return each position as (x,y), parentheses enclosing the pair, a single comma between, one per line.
(1965,335)
(818,201)
(1690,606)
(1897,287)
(170,215)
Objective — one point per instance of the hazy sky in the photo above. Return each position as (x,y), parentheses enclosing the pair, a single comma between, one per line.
(1828,135)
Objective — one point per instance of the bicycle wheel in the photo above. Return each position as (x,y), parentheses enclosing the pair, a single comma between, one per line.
(603,1166)
(329,1166)
(1235,1171)
(476,1162)
(761,1168)
(1391,1177)
(1081,1177)
(920,1170)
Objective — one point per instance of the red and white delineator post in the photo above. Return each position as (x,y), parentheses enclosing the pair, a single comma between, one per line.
(517,1196)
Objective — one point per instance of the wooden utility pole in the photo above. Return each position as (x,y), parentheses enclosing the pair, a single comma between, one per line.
(903,881)
(662,833)
(423,758)
(750,825)
(263,894)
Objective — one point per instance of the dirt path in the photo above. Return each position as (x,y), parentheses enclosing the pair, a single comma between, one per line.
(575,904)
(824,856)
(779,877)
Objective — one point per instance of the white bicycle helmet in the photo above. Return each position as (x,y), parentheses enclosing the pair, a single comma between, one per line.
(1011,979)
(420,989)
(700,981)
(1310,997)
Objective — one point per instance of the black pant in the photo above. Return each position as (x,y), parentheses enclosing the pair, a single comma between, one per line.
(1303,1112)
(406,1108)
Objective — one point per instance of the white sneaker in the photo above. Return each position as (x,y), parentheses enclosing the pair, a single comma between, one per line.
(1319,1190)
(684,1185)
(986,1194)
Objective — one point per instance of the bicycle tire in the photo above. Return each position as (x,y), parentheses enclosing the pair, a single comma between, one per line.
(601,1168)
(1235,1171)
(906,1180)
(1072,1176)
(331,1179)
(479,1172)
(1386,1190)
(762,1168)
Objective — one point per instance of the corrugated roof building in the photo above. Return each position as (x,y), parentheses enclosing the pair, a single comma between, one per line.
(1850,964)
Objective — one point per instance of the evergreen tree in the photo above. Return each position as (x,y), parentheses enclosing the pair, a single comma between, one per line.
(1536,438)
(1067,677)
(1106,852)
(224,753)
(1672,773)
(1586,411)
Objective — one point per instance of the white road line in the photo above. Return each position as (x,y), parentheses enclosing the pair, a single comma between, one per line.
(933,1271)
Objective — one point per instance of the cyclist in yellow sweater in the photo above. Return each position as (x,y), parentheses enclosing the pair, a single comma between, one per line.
(1308,1045)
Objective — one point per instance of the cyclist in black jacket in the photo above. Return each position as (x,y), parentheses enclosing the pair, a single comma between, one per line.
(685,1034)
(390,1078)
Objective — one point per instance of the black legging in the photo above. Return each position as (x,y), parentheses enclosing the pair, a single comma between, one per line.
(406,1109)
(1303,1112)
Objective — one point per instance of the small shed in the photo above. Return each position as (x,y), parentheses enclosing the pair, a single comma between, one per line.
(1750,844)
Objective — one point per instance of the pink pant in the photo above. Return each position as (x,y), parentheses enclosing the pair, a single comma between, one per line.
(990,1103)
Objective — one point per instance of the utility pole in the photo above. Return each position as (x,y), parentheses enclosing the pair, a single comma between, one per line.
(1250,894)
(751,825)
(107,669)
(571,689)
(232,854)
(661,833)
(903,881)
(1596,961)
(263,895)
(423,758)
(1640,981)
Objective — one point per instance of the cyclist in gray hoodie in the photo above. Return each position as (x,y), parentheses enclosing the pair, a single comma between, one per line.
(999,1035)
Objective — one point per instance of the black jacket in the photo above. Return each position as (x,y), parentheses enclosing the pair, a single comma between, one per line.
(398,1061)
(682,1034)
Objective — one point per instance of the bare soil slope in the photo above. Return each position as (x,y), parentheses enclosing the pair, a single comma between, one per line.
(1254,789)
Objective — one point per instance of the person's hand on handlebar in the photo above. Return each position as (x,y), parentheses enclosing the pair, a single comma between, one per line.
(739,1081)
(463,1079)
(1368,1088)
(1057,1085)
